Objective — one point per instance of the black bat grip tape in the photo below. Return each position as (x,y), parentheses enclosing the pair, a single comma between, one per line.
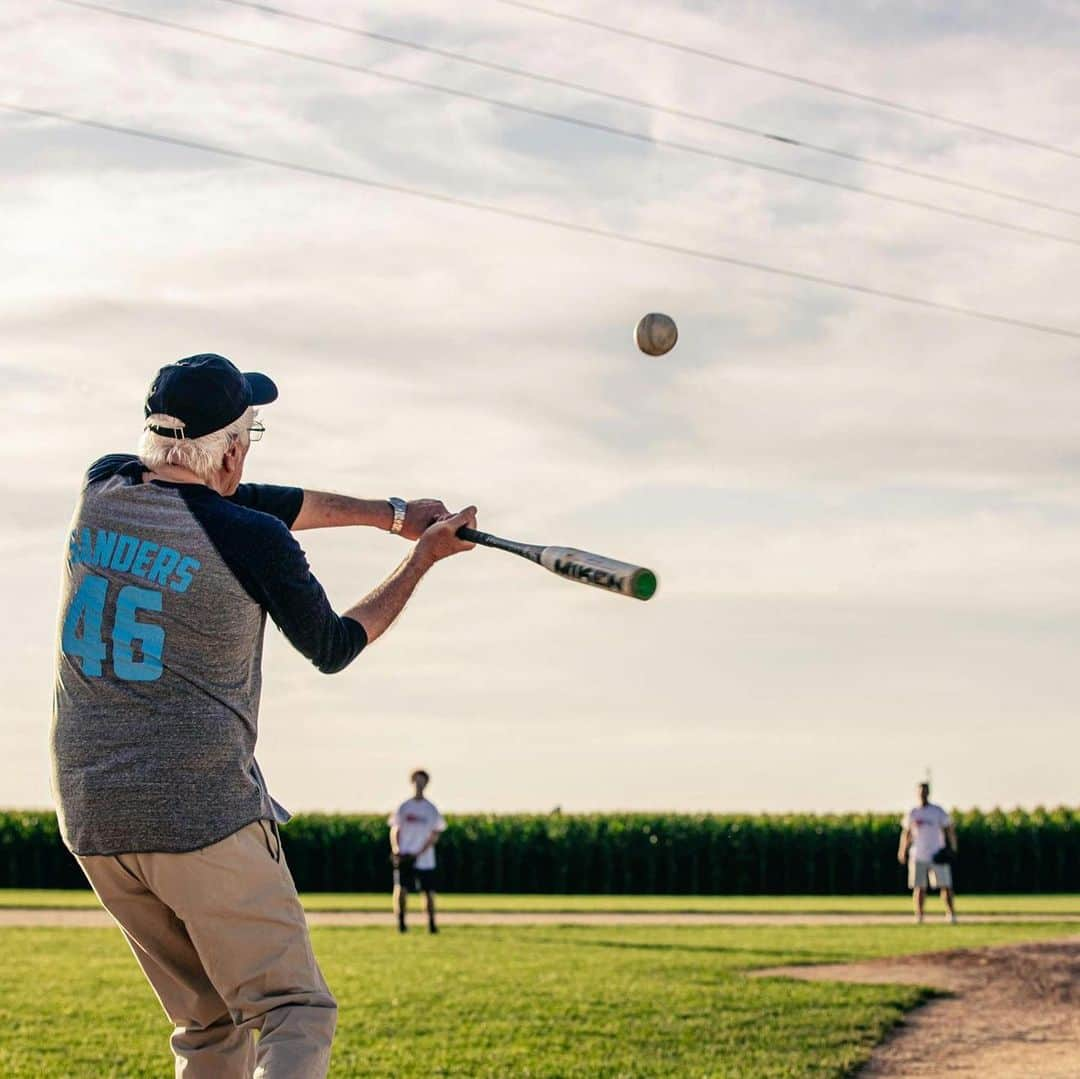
(471,535)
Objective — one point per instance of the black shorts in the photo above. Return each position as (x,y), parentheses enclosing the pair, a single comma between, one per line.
(407,876)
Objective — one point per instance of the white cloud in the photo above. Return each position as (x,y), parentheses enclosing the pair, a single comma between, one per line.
(864,514)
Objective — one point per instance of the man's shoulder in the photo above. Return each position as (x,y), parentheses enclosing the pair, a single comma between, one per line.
(113,464)
(282,503)
(258,549)
(240,522)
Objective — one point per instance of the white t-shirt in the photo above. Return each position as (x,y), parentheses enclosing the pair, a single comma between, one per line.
(926,825)
(415,820)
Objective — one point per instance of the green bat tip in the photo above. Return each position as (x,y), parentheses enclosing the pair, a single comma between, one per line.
(644,585)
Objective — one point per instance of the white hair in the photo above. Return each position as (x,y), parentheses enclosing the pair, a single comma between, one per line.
(203,456)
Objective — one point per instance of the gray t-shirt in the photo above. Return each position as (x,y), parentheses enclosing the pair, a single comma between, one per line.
(164,598)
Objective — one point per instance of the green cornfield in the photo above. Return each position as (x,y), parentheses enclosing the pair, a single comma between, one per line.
(632,853)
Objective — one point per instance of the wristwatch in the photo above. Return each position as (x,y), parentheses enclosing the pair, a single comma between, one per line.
(399,506)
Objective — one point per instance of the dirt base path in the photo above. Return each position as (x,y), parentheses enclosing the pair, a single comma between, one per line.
(1011,1014)
(91,918)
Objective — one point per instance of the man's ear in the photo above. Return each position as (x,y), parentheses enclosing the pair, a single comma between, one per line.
(233,459)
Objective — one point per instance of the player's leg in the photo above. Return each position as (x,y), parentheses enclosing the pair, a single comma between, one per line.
(950,903)
(205,1041)
(917,882)
(427,882)
(943,873)
(401,896)
(239,904)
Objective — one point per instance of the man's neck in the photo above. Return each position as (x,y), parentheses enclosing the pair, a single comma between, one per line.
(177,474)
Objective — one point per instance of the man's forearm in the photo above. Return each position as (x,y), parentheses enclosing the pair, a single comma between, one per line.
(321,509)
(378,609)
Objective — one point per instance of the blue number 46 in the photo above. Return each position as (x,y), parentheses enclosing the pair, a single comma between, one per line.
(87,608)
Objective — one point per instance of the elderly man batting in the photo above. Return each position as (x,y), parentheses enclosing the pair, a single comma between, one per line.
(172,567)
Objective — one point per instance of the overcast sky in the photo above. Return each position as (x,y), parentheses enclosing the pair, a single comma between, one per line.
(865,517)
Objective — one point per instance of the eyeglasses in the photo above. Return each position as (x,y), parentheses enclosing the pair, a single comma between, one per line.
(257,431)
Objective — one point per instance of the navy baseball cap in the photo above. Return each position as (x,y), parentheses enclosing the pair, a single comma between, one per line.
(206,392)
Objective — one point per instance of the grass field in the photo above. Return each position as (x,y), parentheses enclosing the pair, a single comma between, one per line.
(718,904)
(558,1003)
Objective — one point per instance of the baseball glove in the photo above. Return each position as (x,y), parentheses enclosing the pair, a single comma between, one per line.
(945,856)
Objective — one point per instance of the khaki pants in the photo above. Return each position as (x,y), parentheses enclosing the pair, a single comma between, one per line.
(221,937)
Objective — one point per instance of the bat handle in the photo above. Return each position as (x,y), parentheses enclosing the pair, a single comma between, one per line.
(486,539)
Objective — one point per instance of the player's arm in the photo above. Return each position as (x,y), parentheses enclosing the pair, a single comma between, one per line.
(273,569)
(300,509)
(378,609)
(395,835)
(430,842)
(950,835)
(905,840)
(321,509)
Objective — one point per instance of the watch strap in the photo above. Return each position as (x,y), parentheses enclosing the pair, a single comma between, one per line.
(398,505)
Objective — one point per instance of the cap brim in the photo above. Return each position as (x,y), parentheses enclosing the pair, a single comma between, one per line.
(263,390)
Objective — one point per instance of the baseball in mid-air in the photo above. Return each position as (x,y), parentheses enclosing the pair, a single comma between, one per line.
(656,334)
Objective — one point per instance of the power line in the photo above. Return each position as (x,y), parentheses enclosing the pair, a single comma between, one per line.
(541,219)
(593,125)
(803,80)
(625,99)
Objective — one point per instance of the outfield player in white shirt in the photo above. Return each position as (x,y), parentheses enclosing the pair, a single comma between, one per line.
(927,829)
(414,830)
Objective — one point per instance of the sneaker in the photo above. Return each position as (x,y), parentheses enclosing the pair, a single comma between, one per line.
(951,919)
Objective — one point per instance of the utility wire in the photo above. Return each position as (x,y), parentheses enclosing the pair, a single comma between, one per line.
(625,99)
(593,125)
(817,84)
(540,219)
